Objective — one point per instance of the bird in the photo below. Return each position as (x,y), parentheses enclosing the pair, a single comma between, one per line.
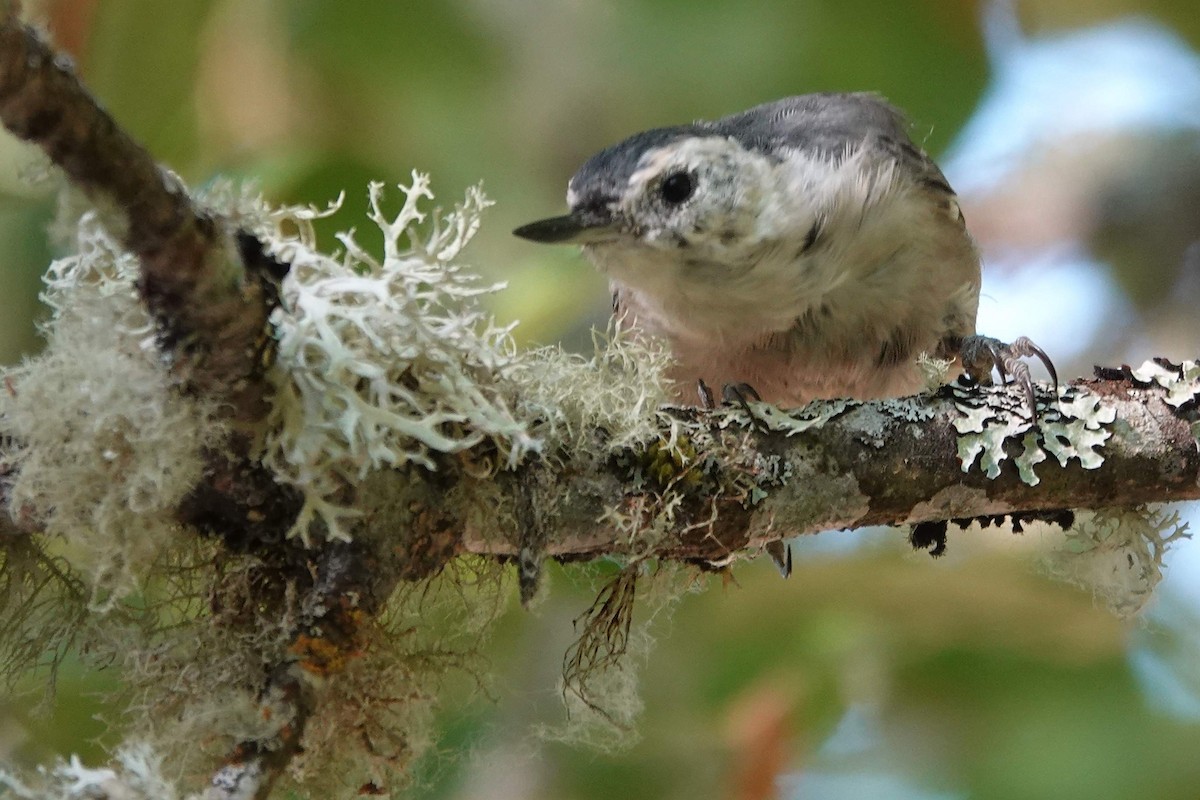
(805,247)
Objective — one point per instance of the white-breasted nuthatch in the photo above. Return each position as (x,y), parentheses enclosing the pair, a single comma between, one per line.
(805,247)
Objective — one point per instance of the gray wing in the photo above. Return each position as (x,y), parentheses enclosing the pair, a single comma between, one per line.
(832,124)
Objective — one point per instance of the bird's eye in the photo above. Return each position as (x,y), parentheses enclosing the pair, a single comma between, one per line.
(676,188)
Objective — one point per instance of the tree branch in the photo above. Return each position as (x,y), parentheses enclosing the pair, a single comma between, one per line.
(849,465)
(210,290)
(212,319)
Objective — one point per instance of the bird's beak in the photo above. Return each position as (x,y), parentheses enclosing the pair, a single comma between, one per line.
(582,226)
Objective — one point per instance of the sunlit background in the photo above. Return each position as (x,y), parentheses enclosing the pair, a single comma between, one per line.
(1072,132)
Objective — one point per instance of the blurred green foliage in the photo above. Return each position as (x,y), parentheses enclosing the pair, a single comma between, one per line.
(985,680)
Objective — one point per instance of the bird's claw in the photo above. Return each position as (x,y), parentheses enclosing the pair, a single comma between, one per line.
(739,394)
(781,554)
(731,393)
(980,354)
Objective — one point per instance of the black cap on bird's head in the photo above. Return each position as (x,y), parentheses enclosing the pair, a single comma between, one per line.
(596,190)
(816,125)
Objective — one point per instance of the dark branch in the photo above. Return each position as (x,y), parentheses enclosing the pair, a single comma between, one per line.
(210,291)
(343,586)
(211,315)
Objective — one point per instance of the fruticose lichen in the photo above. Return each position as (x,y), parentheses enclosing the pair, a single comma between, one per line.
(383,363)
(139,775)
(600,685)
(619,390)
(1117,554)
(100,448)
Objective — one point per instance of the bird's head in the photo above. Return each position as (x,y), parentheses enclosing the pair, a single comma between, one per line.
(665,196)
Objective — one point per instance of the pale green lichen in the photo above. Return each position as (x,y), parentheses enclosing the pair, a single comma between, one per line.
(383,363)
(605,717)
(137,774)
(991,420)
(190,652)
(1077,431)
(600,685)
(794,421)
(1182,381)
(909,409)
(935,372)
(1076,427)
(101,447)
(428,640)
(619,390)
(1117,554)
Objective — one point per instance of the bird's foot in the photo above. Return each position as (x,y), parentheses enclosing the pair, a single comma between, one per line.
(739,394)
(731,393)
(981,354)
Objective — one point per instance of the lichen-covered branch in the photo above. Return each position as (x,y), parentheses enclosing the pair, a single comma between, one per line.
(350,432)
(210,312)
(208,288)
(1117,441)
